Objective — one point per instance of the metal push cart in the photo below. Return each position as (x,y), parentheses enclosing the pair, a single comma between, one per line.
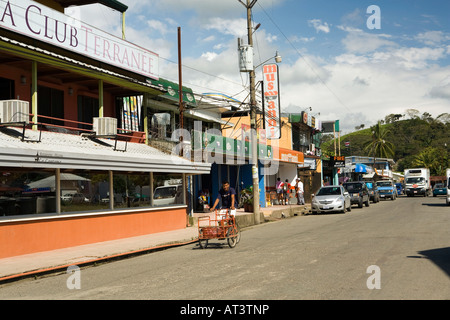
(221,226)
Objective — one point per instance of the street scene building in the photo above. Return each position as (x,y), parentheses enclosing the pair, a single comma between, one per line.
(76,108)
(93,138)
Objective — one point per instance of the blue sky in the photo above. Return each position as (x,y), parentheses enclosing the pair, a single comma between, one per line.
(332,62)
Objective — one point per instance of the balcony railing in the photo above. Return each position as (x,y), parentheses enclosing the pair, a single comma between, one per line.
(67,126)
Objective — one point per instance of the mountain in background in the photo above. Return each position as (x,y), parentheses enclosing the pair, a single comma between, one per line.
(419,141)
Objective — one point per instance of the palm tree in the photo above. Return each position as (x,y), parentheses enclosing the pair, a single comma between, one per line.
(379,146)
(434,159)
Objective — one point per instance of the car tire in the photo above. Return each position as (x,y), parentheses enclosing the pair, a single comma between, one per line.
(349,208)
(360,204)
(367,203)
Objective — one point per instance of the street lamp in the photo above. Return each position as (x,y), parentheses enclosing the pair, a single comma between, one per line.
(277,58)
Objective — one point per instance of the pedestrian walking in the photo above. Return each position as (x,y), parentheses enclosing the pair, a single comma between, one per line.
(279,189)
(300,192)
(286,191)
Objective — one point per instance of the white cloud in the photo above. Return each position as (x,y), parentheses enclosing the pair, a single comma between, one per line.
(209,56)
(319,25)
(409,58)
(234,27)
(209,39)
(432,37)
(442,90)
(296,39)
(358,41)
(271,38)
(158,26)
(374,76)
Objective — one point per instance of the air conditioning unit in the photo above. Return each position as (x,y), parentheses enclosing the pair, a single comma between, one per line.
(105,126)
(12,111)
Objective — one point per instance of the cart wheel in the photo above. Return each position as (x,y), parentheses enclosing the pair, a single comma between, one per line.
(232,237)
(238,237)
(203,243)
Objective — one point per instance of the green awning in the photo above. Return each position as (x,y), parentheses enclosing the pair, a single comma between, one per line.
(295,117)
(173,91)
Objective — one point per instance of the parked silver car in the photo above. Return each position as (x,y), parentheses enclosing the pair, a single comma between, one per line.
(331,199)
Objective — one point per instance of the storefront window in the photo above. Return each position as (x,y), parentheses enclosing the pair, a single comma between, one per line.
(131,190)
(167,189)
(33,191)
(84,191)
(26,192)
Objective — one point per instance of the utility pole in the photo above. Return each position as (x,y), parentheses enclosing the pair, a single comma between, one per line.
(180,88)
(254,141)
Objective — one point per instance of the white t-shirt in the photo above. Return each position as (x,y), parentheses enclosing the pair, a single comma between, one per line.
(300,187)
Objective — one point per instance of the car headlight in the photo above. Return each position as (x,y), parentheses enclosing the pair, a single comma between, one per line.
(340,199)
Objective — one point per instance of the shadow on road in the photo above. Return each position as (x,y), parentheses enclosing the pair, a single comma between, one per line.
(440,257)
(443,204)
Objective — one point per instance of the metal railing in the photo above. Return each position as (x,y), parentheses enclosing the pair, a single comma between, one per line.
(74,127)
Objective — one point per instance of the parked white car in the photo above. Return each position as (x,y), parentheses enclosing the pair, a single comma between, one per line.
(167,195)
(74,198)
(331,199)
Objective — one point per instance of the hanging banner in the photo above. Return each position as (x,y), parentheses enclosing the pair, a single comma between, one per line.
(271,102)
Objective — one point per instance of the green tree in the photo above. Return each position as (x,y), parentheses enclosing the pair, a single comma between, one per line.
(378,146)
(435,159)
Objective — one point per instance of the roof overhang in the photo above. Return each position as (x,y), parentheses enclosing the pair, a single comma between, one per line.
(67,151)
(70,65)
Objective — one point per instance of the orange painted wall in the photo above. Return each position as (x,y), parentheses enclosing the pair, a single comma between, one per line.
(18,238)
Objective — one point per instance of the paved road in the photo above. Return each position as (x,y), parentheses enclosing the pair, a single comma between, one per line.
(307,257)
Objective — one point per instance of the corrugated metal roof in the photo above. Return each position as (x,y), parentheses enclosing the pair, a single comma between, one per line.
(68,151)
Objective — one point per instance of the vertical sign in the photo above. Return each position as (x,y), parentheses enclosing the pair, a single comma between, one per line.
(271,101)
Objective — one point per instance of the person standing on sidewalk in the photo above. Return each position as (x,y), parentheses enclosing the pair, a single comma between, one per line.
(279,188)
(286,191)
(300,192)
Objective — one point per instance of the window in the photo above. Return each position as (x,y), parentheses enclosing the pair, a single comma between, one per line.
(87,110)
(6,89)
(26,192)
(131,190)
(415,180)
(167,189)
(128,111)
(84,191)
(329,191)
(33,191)
(160,125)
(51,104)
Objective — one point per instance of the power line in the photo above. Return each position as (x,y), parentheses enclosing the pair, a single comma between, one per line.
(306,61)
(204,72)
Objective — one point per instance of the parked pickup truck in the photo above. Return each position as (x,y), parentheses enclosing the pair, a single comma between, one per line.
(359,193)
(387,189)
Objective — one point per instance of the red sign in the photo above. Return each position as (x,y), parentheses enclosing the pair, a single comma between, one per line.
(271,101)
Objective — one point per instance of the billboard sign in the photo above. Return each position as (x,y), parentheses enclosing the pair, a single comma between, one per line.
(40,22)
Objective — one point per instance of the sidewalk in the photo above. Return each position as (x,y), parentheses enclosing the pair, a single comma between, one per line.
(59,260)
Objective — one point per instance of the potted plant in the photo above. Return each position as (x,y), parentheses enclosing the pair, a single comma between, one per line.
(247,199)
